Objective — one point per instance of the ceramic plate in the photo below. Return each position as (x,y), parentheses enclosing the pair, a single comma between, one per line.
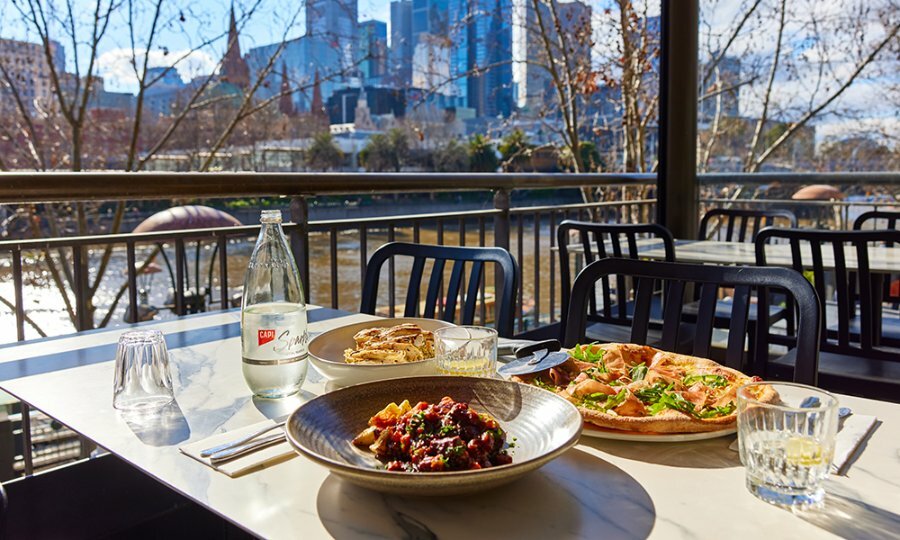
(326,352)
(601,433)
(544,426)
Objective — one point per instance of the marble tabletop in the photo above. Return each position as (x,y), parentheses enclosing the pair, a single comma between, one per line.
(881,259)
(600,488)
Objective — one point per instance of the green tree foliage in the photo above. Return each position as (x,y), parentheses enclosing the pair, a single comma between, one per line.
(482,155)
(452,157)
(324,154)
(385,152)
(590,157)
(515,151)
(400,143)
(377,155)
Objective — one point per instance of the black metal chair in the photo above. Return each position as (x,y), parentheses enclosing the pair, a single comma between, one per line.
(420,253)
(855,358)
(737,223)
(610,308)
(676,278)
(881,219)
(740,221)
(884,219)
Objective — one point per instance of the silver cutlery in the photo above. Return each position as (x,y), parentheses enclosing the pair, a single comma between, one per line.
(240,442)
(250,447)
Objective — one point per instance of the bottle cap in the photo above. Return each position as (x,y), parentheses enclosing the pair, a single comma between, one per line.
(270,216)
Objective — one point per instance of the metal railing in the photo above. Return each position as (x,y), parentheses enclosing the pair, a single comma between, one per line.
(528,232)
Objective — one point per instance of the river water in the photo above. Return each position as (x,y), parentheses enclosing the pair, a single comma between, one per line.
(45,306)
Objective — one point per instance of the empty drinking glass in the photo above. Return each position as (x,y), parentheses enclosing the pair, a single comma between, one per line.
(787,443)
(142,381)
(466,350)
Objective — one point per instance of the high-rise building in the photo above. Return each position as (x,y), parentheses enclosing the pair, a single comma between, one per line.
(162,96)
(27,69)
(234,67)
(440,47)
(432,17)
(463,50)
(335,22)
(489,57)
(402,44)
(536,91)
(372,49)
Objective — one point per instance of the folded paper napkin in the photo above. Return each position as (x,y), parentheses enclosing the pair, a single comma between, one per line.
(850,439)
(245,464)
(853,432)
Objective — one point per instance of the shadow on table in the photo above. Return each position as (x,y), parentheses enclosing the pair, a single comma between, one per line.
(576,495)
(708,454)
(163,427)
(846,516)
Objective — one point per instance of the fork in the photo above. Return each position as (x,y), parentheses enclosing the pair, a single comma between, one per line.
(239,442)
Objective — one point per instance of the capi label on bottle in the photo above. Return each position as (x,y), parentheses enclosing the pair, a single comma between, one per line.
(264,336)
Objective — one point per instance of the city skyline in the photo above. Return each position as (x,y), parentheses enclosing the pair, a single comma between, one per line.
(114,69)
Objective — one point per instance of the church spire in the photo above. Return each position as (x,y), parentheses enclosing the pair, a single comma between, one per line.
(234,67)
(286,100)
(317,107)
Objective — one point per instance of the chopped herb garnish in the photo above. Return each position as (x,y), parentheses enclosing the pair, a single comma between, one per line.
(616,382)
(546,386)
(713,381)
(652,394)
(616,400)
(595,401)
(638,372)
(586,353)
(671,400)
(716,412)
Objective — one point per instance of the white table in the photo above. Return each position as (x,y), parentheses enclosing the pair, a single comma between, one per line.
(600,488)
(881,259)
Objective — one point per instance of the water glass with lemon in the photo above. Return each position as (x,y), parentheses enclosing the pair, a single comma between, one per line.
(466,350)
(787,445)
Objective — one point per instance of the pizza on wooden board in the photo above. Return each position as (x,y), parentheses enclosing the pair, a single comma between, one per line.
(639,388)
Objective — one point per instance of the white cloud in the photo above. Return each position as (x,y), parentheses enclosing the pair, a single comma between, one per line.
(118,73)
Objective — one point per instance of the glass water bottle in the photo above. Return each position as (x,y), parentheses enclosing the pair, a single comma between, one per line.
(274,334)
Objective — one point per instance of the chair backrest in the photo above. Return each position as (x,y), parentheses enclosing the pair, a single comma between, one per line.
(846,272)
(420,253)
(602,240)
(710,279)
(737,222)
(882,219)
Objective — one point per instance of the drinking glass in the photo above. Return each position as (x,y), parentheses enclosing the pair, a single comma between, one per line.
(142,380)
(787,445)
(466,350)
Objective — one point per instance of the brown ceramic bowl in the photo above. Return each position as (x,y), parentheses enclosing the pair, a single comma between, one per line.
(326,352)
(543,425)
